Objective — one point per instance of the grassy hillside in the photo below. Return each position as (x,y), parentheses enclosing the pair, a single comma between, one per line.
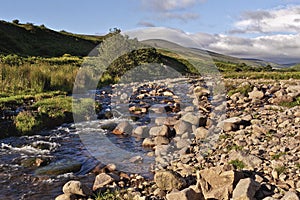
(30,40)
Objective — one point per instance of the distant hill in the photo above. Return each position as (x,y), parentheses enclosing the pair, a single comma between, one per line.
(30,40)
(208,56)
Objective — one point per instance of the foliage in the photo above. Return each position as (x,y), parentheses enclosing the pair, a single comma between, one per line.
(291,104)
(84,109)
(280,169)
(276,75)
(31,40)
(107,195)
(238,164)
(244,90)
(26,122)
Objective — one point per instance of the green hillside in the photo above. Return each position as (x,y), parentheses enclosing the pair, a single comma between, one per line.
(30,40)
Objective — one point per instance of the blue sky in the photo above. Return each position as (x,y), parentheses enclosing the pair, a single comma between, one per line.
(234,27)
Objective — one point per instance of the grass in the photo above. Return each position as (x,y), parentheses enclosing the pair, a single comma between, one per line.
(234,147)
(237,164)
(291,104)
(277,155)
(276,75)
(107,195)
(31,40)
(280,169)
(244,90)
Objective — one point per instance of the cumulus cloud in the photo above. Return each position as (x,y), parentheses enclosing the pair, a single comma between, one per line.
(171,9)
(278,20)
(278,48)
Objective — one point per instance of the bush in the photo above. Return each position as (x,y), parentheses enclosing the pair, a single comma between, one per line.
(26,122)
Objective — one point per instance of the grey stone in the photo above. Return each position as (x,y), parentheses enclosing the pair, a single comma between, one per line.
(290,196)
(185,194)
(183,127)
(76,187)
(245,189)
(102,180)
(169,180)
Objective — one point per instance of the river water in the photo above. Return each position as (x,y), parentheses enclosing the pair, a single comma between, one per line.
(81,144)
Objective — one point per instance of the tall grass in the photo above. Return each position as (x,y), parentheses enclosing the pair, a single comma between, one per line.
(36,78)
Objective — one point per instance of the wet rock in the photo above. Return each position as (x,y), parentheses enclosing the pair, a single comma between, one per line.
(169,180)
(245,189)
(136,159)
(34,162)
(123,128)
(185,194)
(216,183)
(59,167)
(109,126)
(76,187)
(141,131)
(200,91)
(102,180)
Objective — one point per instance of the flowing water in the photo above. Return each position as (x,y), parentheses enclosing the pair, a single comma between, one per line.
(81,144)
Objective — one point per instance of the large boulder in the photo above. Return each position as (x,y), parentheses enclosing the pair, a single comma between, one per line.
(59,167)
(290,196)
(251,162)
(216,183)
(76,187)
(123,127)
(169,180)
(245,189)
(182,127)
(102,180)
(185,194)
(256,94)
(159,131)
(230,124)
(191,118)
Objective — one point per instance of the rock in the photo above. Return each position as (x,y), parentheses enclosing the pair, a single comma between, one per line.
(148,142)
(200,91)
(34,162)
(256,94)
(169,180)
(161,140)
(290,196)
(136,159)
(102,180)
(66,197)
(141,131)
(201,133)
(182,127)
(76,187)
(159,131)
(191,118)
(216,183)
(59,167)
(108,126)
(230,124)
(245,189)
(186,194)
(249,160)
(123,127)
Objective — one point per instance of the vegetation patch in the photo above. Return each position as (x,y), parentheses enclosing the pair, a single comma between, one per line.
(237,164)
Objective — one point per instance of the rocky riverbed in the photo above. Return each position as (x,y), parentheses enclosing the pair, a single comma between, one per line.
(199,143)
(256,154)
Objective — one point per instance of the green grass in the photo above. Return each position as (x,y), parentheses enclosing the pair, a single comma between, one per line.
(291,104)
(280,169)
(31,40)
(107,195)
(276,75)
(238,164)
(244,90)
(277,155)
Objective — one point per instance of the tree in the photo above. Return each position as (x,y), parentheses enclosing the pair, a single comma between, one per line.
(15,21)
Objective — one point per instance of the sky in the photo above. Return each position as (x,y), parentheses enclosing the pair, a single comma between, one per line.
(262,29)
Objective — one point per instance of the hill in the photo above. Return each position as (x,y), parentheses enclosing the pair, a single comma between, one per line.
(30,40)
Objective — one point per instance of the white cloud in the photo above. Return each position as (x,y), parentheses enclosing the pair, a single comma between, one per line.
(171,9)
(278,20)
(276,48)
(167,5)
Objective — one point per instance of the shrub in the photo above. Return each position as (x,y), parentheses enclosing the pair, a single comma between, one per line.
(26,122)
